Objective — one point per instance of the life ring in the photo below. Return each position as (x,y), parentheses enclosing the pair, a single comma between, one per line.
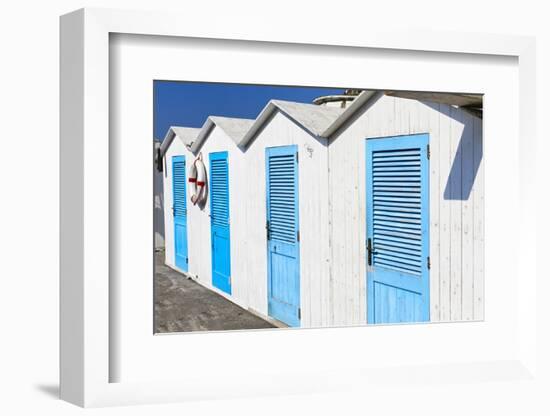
(197,181)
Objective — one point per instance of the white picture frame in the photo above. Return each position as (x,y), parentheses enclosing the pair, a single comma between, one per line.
(88,304)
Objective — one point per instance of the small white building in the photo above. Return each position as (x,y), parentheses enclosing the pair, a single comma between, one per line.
(202,235)
(372,213)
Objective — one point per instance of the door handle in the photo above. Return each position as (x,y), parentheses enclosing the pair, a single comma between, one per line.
(370,250)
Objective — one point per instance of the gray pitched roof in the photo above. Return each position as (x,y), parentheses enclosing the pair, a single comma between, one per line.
(235,128)
(186,134)
(315,119)
(320,121)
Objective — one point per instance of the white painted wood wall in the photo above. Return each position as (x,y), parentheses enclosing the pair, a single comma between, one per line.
(456,206)
(198,217)
(158,205)
(176,148)
(247,201)
(333,212)
(313,217)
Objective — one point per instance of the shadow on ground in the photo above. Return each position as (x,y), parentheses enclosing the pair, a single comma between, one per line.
(51,390)
(183,305)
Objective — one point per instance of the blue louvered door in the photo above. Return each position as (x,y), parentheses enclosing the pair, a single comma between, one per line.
(219,221)
(283,236)
(397,178)
(179,210)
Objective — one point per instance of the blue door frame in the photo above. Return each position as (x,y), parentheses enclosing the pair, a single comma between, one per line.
(219,221)
(179,210)
(283,235)
(397,189)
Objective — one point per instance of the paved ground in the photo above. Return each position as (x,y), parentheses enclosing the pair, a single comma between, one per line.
(184,305)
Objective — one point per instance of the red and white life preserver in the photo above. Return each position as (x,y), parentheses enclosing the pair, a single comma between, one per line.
(197,181)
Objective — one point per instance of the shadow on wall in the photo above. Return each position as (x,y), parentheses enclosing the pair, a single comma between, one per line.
(466,160)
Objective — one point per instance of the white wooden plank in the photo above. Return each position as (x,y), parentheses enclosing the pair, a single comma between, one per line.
(309,210)
(454,194)
(359,224)
(322,191)
(345,220)
(358,242)
(348,242)
(415,115)
(403,125)
(444,215)
(321,181)
(330,287)
(344,261)
(330,300)
(359,212)
(256,217)
(309,289)
(237,225)
(257,265)
(362,226)
(435,192)
(338,239)
(467,149)
(478,218)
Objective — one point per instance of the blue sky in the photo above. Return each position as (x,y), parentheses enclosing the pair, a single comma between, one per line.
(188,104)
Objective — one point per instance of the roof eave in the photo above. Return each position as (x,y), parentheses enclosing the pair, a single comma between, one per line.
(262,118)
(470,103)
(207,127)
(167,141)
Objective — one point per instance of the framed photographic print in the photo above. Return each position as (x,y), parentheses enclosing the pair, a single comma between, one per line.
(287,213)
(334,207)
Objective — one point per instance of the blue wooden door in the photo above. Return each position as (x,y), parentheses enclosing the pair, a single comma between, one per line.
(179,209)
(283,235)
(219,221)
(397,174)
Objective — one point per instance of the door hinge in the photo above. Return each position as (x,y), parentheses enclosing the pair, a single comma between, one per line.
(428,151)
(428,262)
(229,280)
(297,160)
(267,229)
(187,260)
(299,313)
(298,236)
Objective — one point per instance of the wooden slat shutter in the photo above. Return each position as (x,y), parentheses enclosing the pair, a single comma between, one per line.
(397,221)
(282,197)
(179,192)
(219,192)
